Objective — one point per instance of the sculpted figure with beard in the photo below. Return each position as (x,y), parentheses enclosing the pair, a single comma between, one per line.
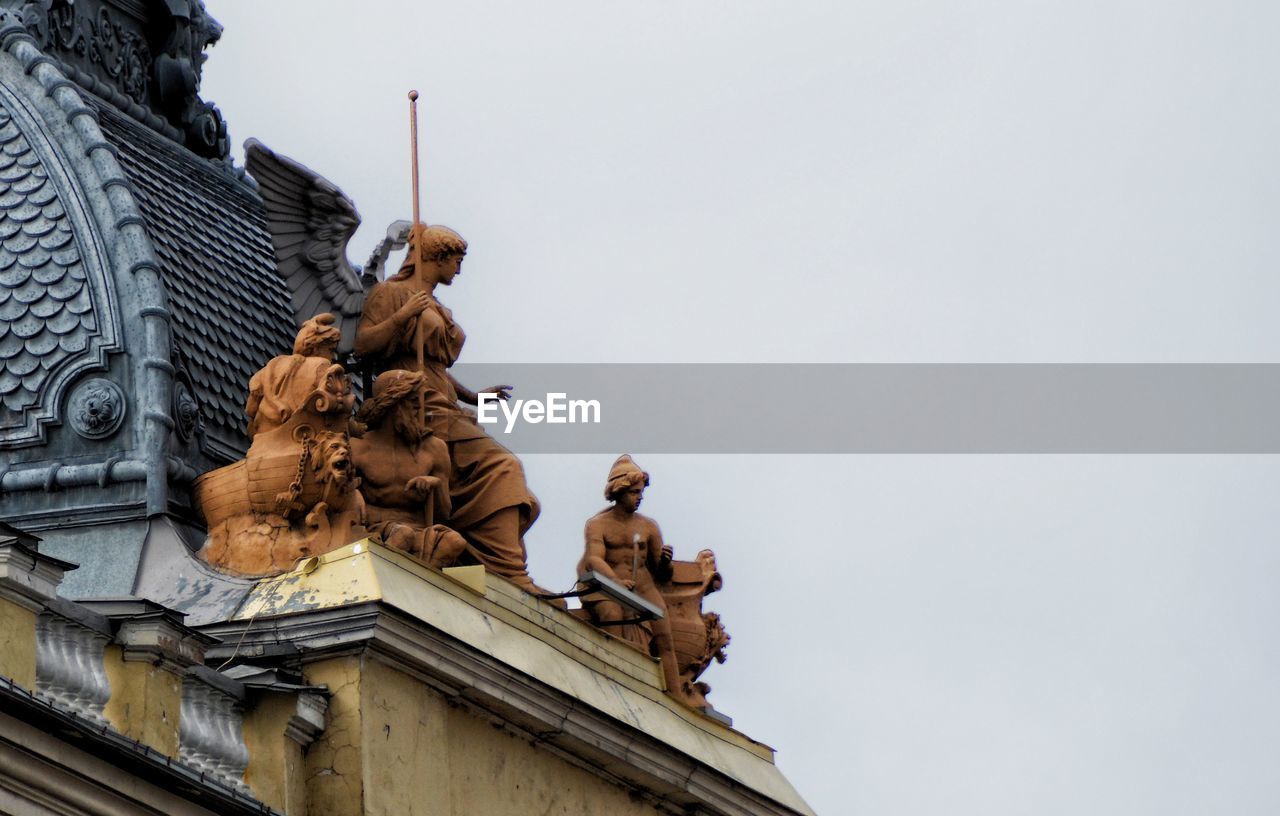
(404,471)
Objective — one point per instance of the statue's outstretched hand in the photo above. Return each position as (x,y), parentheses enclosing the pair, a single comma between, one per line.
(503,392)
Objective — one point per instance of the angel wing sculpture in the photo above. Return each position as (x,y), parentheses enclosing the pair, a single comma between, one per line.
(311,222)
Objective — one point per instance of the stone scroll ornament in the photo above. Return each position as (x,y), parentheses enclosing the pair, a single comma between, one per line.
(627,547)
(697,637)
(295,493)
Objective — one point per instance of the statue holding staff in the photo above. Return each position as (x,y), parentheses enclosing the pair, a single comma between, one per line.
(627,547)
(398,324)
(404,327)
(492,505)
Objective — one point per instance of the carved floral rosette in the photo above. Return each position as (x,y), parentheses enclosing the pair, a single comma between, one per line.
(698,637)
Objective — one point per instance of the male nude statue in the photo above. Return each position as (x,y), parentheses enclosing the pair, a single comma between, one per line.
(627,547)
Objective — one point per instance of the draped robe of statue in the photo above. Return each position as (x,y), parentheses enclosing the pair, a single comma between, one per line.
(486,477)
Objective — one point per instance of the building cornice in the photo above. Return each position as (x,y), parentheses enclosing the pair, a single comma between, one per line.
(728,778)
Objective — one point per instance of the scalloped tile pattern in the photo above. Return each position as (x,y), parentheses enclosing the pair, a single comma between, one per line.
(46,305)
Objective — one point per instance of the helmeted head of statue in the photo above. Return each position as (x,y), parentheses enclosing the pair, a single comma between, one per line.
(623,476)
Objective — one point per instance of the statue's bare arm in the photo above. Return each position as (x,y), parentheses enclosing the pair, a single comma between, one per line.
(593,558)
(464,394)
(660,554)
(469,397)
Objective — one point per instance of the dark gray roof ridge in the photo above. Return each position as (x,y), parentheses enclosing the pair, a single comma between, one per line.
(128,247)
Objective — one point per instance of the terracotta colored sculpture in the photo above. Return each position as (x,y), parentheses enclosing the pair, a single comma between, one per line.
(294,494)
(627,547)
(404,471)
(698,637)
(403,326)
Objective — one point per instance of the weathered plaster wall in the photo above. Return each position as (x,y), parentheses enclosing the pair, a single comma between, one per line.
(494,772)
(404,734)
(335,786)
(18,644)
(277,770)
(146,701)
(395,747)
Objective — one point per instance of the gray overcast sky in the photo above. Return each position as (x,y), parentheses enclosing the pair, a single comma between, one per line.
(918,181)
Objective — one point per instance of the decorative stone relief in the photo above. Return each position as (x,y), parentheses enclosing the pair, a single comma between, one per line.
(699,637)
(70,671)
(186,411)
(96,409)
(104,46)
(210,737)
(99,38)
(176,76)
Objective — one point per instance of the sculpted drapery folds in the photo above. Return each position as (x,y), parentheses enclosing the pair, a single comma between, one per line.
(399,325)
(404,472)
(404,327)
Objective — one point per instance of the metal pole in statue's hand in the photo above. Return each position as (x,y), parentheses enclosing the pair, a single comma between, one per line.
(413,153)
(415,245)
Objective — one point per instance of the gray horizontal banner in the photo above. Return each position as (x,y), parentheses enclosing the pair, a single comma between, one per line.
(816,408)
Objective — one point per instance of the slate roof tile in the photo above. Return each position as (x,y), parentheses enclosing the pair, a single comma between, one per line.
(231,310)
(45,303)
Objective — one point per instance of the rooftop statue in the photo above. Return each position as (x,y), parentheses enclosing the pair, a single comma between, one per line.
(627,548)
(294,494)
(405,327)
(697,637)
(404,471)
(399,325)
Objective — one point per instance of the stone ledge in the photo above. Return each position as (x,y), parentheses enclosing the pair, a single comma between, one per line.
(517,670)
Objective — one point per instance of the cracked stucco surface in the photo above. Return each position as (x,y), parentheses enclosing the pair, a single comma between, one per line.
(146,701)
(276,772)
(18,644)
(335,784)
(396,747)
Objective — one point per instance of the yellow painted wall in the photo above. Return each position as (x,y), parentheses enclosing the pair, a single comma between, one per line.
(146,701)
(18,644)
(461,764)
(276,773)
(404,737)
(334,765)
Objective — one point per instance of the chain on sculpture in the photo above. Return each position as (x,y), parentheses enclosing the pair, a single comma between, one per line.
(411,465)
